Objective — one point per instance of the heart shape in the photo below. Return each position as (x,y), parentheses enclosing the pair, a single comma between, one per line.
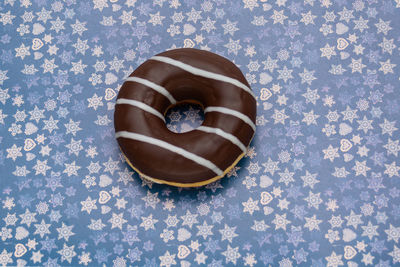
(345,145)
(183,234)
(105,209)
(110,78)
(341,28)
(183,251)
(342,43)
(37,55)
(344,55)
(110,106)
(268,210)
(37,29)
(267,106)
(266,7)
(348,157)
(110,94)
(104,180)
(265,78)
(29,144)
(20,250)
(265,94)
(265,198)
(265,181)
(349,252)
(104,197)
(30,156)
(188,43)
(188,29)
(348,235)
(21,233)
(345,129)
(115,7)
(30,128)
(37,44)
(21,263)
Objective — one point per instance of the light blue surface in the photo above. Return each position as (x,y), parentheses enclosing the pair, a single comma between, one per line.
(320,185)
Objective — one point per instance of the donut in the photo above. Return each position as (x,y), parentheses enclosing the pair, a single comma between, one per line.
(193,158)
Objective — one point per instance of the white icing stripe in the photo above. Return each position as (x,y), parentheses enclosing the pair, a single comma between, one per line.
(233,113)
(142,106)
(203,73)
(223,134)
(154,86)
(157,142)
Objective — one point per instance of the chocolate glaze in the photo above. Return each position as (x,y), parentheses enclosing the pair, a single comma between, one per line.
(165,165)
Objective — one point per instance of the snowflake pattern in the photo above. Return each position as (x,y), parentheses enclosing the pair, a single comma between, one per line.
(319,185)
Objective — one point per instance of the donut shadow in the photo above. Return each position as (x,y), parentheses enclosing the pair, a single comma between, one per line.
(186,117)
(191,196)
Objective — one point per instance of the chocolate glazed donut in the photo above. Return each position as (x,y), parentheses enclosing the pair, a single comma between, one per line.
(197,157)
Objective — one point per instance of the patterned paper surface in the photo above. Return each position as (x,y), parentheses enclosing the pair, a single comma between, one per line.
(319,186)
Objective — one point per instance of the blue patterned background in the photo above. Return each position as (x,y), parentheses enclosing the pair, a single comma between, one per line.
(319,186)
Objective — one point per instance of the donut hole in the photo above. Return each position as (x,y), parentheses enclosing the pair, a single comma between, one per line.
(184,117)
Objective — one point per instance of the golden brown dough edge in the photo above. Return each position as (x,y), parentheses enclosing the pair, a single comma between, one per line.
(176,184)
